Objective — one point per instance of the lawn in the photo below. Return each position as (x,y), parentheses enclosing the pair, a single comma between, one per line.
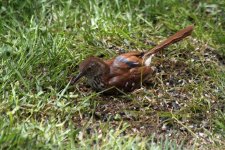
(182,106)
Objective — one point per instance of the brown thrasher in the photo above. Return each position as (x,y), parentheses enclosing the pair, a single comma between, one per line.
(125,72)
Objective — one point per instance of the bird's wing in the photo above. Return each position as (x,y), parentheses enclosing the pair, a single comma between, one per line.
(131,79)
(128,60)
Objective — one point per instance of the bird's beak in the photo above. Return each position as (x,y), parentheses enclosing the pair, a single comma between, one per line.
(74,80)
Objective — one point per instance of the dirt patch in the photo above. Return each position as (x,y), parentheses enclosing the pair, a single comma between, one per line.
(178,101)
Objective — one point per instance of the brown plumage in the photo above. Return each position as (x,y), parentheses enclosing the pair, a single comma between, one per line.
(125,72)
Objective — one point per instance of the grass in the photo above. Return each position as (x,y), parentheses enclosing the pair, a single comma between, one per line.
(42,43)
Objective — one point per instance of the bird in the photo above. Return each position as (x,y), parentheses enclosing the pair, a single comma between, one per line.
(126,72)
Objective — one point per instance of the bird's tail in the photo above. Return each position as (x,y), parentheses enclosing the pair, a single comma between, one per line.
(170,40)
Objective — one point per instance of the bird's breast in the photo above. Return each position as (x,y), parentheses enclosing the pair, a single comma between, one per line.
(97,83)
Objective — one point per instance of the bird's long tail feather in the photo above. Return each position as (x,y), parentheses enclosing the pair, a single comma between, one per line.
(178,36)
